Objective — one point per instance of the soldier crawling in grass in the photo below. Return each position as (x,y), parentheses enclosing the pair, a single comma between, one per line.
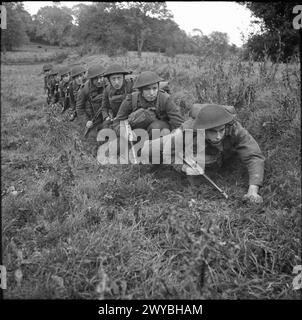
(224,137)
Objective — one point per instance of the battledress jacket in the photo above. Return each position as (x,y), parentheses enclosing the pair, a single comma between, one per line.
(74,89)
(237,140)
(54,90)
(113,98)
(64,89)
(166,110)
(89,100)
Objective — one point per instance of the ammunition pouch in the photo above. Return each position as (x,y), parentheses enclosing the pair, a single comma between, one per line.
(142,118)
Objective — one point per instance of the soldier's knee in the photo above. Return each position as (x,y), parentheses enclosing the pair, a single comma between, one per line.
(161,125)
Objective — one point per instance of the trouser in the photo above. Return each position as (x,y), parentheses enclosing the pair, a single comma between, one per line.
(161,125)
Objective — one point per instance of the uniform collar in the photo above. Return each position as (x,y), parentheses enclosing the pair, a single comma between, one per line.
(146,103)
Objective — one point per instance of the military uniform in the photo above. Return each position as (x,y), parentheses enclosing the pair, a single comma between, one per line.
(54,90)
(236,140)
(163,108)
(88,106)
(47,78)
(144,114)
(113,98)
(89,100)
(53,86)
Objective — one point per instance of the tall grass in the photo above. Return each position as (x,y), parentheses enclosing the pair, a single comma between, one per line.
(78,230)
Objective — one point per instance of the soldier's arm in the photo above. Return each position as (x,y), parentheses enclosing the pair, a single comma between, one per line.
(123,113)
(72,97)
(45,84)
(250,154)
(81,104)
(105,104)
(61,94)
(175,117)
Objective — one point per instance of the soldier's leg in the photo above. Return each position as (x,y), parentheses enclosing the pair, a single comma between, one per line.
(161,125)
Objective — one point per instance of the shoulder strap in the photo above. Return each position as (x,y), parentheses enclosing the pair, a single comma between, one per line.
(162,98)
(134,99)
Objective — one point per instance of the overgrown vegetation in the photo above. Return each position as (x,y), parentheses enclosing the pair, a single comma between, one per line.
(75,229)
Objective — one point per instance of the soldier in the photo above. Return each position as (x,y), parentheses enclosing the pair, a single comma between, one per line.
(224,136)
(115,92)
(90,96)
(88,105)
(54,85)
(46,70)
(64,88)
(77,75)
(149,107)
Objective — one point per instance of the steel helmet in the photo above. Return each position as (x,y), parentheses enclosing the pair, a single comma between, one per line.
(55,70)
(47,67)
(76,70)
(209,116)
(64,70)
(94,71)
(146,78)
(115,69)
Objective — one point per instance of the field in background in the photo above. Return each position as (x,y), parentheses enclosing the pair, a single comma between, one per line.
(75,229)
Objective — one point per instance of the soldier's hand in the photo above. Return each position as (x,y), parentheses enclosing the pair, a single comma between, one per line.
(252,195)
(189,171)
(89,124)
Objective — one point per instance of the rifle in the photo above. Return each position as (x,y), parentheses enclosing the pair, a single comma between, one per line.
(200,170)
(66,104)
(96,116)
(130,137)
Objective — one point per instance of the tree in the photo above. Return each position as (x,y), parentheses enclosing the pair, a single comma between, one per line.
(54,24)
(278,38)
(214,45)
(15,34)
(137,19)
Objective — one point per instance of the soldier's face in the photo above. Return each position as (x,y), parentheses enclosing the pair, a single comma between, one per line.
(79,79)
(150,92)
(57,77)
(66,77)
(47,72)
(97,81)
(215,135)
(116,81)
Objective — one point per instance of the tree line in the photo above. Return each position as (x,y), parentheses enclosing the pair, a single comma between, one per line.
(145,26)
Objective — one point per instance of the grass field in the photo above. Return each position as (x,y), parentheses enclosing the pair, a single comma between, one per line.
(75,229)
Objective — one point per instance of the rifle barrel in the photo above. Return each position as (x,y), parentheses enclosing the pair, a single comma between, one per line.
(215,185)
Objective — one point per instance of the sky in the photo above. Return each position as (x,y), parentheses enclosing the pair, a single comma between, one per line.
(208,16)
